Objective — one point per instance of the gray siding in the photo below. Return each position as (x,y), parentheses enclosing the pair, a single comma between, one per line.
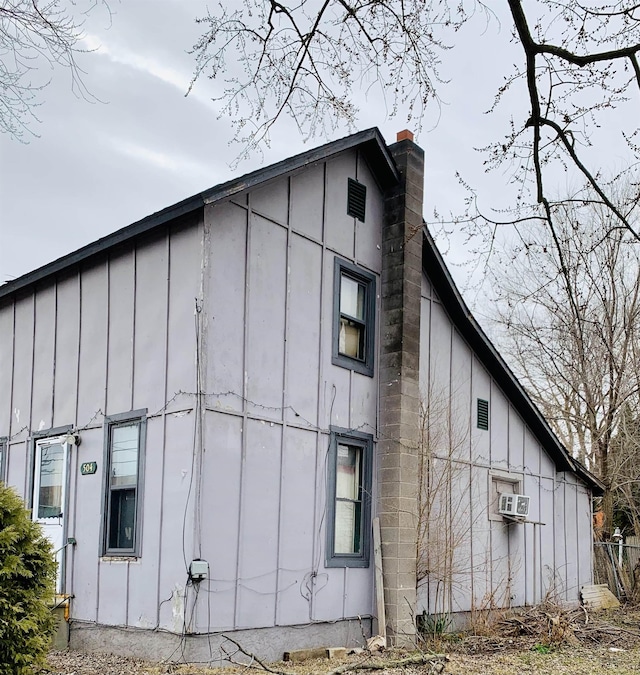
(488,563)
(245,490)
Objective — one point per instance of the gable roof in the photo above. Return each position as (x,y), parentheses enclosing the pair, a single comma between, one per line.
(371,143)
(434,267)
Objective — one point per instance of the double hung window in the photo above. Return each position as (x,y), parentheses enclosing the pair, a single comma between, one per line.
(125,440)
(349,499)
(354,317)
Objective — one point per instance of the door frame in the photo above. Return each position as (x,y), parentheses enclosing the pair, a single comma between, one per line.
(56,435)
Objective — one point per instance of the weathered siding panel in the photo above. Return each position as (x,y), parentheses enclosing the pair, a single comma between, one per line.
(67,331)
(560,538)
(225,305)
(480,537)
(223,462)
(358,593)
(584,554)
(113,592)
(259,525)
(307,202)
(546,534)
(298,537)
(461,523)
(425,349)
(22,365)
(6,367)
(43,358)
(150,325)
(266,318)
(303,330)
(86,527)
(499,428)
(571,536)
(185,260)
(92,371)
(272,201)
(364,403)
(531,487)
(516,441)
(177,518)
(439,384)
(17,469)
(121,336)
(461,383)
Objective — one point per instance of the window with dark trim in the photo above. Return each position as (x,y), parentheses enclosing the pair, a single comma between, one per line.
(349,499)
(3,459)
(124,461)
(483,414)
(354,317)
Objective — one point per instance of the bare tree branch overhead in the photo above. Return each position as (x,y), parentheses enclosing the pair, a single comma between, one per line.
(310,59)
(37,36)
(570,324)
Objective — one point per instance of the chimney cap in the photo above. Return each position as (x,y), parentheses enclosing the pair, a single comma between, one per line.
(405,135)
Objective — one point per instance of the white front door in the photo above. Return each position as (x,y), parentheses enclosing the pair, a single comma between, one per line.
(49,495)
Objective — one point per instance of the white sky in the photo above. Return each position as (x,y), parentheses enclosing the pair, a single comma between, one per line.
(97,167)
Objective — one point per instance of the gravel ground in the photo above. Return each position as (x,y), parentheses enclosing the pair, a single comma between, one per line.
(563,662)
(601,644)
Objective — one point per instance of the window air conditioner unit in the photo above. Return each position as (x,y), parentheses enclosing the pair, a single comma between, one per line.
(516,506)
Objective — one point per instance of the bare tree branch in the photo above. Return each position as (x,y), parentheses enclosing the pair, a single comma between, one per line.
(34,33)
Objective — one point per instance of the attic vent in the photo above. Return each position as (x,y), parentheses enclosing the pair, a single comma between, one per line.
(356,198)
(483,414)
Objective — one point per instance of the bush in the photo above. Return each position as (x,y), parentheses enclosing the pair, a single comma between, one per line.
(27,585)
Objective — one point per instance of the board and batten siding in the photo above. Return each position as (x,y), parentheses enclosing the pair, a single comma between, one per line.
(278,387)
(241,294)
(482,561)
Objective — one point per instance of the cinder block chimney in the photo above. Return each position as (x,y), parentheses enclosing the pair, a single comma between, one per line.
(399,389)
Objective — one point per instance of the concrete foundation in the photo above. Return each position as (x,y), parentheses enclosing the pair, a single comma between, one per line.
(268,644)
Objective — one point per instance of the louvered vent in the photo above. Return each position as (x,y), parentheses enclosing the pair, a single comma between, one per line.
(483,414)
(356,199)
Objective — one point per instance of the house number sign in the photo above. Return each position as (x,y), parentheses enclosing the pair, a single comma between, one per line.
(87,468)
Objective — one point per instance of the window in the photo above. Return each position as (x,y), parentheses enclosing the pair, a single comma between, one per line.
(50,480)
(3,459)
(354,318)
(124,441)
(483,414)
(499,483)
(349,499)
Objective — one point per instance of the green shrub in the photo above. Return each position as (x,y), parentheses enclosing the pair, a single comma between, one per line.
(27,585)
(432,625)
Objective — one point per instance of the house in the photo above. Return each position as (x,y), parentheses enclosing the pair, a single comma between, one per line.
(207,410)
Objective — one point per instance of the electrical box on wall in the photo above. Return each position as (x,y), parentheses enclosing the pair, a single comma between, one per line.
(198,570)
(513,505)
